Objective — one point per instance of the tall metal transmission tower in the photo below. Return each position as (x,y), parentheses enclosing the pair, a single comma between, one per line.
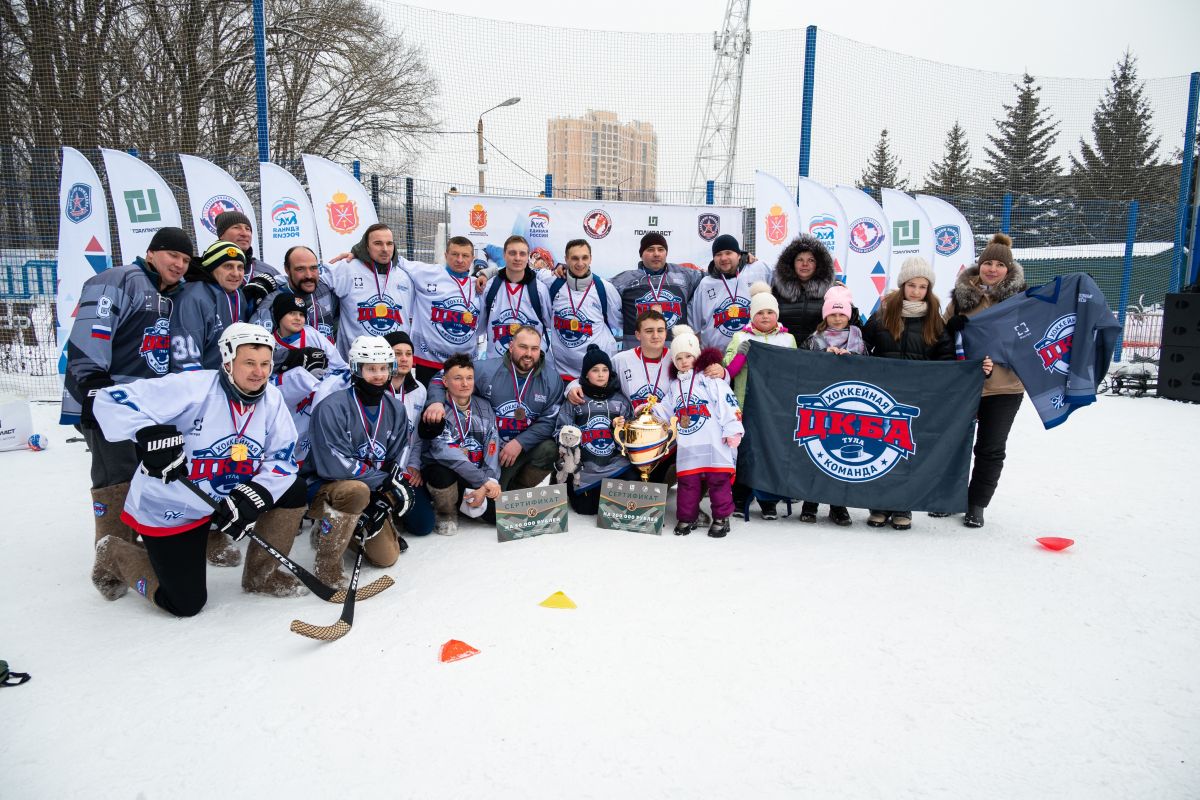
(717,149)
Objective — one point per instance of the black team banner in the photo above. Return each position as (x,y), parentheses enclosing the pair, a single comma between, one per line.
(859,431)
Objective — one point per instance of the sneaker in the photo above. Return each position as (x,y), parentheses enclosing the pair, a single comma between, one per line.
(770,509)
(974,517)
(902,520)
(684,528)
(878,519)
(719,528)
(808,512)
(840,516)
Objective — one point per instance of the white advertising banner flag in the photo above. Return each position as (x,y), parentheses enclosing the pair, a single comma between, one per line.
(287,216)
(613,229)
(342,206)
(778,219)
(211,192)
(84,248)
(912,233)
(822,216)
(142,202)
(953,242)
(870,248)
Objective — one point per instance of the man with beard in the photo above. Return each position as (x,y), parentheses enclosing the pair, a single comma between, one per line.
(374,291)
(305,280)
(654,284)
(525,394)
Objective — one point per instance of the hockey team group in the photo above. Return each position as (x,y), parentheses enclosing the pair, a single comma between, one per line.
(373,396)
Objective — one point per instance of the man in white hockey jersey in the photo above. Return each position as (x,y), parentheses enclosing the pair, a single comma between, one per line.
(721,305)
(374,293)
(228,432)
(586,310)
(513,298)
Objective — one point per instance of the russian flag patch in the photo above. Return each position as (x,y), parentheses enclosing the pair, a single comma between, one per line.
(102,332)
(279,471)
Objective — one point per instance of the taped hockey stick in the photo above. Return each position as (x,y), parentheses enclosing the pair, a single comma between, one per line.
(314,584)
(331,633)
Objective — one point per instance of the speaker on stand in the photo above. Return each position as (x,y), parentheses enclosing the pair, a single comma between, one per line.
(1179,364)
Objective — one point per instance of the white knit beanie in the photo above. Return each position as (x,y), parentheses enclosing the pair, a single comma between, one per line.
(683,340)
(761,298)
(914,267)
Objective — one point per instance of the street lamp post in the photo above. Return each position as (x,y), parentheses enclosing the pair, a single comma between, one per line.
(512,101)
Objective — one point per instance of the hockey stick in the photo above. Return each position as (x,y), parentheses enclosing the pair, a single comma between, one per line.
(314,584)
(331,633)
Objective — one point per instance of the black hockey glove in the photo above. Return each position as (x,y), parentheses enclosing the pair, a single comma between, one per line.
(89,388)
(399,490)
(160,448)
(956,323)
(258,287)
(237,514)
(375,514)
(312,359)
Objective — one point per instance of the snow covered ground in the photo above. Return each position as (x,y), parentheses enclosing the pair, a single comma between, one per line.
(785,660)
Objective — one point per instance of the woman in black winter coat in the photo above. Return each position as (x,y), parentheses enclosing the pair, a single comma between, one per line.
(908,325)
(803,273)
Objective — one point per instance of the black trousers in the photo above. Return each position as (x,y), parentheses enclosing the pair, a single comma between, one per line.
(588,502)
(424,373)
(113,463)
(440,476)
(996,415)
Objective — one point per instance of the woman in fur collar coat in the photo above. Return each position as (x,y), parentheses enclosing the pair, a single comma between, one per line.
(995,277)
(803,273)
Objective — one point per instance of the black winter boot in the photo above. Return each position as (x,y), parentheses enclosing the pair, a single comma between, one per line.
(770,509)
(719,528)
(684,528)
(808,512)
(840,516)
(974,517)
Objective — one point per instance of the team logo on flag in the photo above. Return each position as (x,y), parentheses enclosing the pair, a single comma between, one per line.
(1054,348)
(477,217)
(453,319)
(214,207)
(343,214)
(708,226)
(776,225)
(865,234)
(285,219)
(156,346)
(824,227)
(597,224)
(379,314)
(572,328)
(855,431)
(946,239)
(79,202)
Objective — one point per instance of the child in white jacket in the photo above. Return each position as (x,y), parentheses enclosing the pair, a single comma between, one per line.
(710,429)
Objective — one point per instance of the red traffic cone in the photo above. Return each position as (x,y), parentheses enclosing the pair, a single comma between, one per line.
(454,650)
(1055,542)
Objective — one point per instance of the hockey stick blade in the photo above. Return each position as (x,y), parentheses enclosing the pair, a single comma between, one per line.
(330,633)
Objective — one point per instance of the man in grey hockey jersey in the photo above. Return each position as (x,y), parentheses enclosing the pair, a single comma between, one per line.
(121,333)
(654,284)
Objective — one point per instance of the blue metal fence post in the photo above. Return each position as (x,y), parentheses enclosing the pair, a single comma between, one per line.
(709,192)
(375,191)
(133,151)
(1185,180)
(1126,275)
(410,223)
(806,102)
(357,167)
(549,185)
(260,79)
(1006,214)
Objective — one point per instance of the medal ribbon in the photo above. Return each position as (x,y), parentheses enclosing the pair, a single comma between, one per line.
(732,295)
(375,275)
(687,401)
(240,433)
(646,370)
(235,306)
(467,296)
(519,389)
(292,346)
(372,436)
(462,433)
(520,296)
(656,292)
(571,297)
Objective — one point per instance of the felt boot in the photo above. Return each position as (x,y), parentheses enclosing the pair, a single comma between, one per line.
(262,573)
(107,504)
(128,565)
(221,551)
(445,509)
(334,534)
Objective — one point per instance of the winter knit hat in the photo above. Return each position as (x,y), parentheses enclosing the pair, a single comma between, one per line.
(650,239)
(915,267)
(726,241)
(171,239)
(218,253)
(398,337)
(838,300)
(761,298)
(998,249)
(285,303)
(227,219)
(594,355)
(683,340)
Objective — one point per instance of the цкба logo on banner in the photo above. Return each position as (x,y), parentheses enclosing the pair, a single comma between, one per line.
(855,431)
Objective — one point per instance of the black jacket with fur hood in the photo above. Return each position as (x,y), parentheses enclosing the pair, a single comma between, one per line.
(800,301)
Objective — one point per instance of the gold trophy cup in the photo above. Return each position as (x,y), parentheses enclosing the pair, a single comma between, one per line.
(644,440)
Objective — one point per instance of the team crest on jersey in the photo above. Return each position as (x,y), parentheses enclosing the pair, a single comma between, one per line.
(156,346)
(731,315)
(230,461)
(776,225)
(454,319)
(507,423)
(474,450)
(639,398)
(214,207)
(572,327)
(946,239)
(79,202)
(379,314)
(865,234)
(692,416)
(824,227)
(505,325)
(371,453)
(708,226)
(343,213)
(326,330)
(855,431)
(597,436)
(597,224)
(667,303)
(1054,348)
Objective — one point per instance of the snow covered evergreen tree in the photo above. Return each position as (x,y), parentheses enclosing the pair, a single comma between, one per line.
(952,175)
(883,168)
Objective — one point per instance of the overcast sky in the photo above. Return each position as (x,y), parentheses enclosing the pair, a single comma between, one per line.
(1065,39)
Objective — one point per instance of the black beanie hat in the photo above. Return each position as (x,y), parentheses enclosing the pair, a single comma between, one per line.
(650,239)
(286,303)
(218,253)
(594,355)
(171,239)
(398,337)
(726,241)
(227,219)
